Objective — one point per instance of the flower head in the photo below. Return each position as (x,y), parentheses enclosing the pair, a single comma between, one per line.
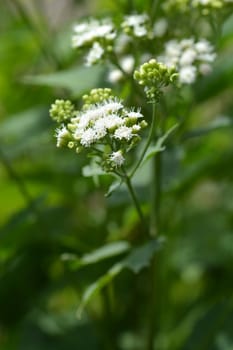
(154,76)
(189,57)
(117,159)
(87,33)
(136,25)
(103,123)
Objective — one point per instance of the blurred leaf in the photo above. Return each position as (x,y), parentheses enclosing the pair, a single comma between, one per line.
(219,80)
(77,80)
(205,331)
(95,287)
(219,123)
(114,186)
(141,257)
(138,259)
(105,252)
(159,146)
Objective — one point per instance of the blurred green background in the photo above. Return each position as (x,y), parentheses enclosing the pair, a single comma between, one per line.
(48,208)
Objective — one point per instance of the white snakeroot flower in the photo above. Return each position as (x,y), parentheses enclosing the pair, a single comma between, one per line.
(160,27)
(127,63)
(172,48)
(205,68)
(134,115)
(137,23)
(140,31)
(95,54)
(135,20)
(123,132)
(100,128)
(117,158)
(113,121)
(207,57)
(203,46)
(89,32)
(188,57)
(111,106)
(186,43)
(187,74)
(114,76)
(88,137)
(136,128)
(61,134)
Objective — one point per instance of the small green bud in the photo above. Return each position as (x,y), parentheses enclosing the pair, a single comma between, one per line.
(61,110)
(96,96)
(143,124)
(154,76)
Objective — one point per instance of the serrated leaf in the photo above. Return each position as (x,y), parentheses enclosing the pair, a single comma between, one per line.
(77,80)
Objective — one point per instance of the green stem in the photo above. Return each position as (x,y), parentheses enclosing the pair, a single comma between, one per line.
(156,195)
(155,227)
(109,333)
(134,197)
(148,141)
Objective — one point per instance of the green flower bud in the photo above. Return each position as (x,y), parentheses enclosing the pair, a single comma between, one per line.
(61,110)
(96,96)
(154,76)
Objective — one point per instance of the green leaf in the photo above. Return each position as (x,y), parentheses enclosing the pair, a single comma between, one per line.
(138,259)
(95,287)
(77,80)
(159,146)
(114,186)
(92,170)
(141,257)
(107,251)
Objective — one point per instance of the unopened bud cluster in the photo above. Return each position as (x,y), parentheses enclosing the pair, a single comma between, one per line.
(154,76)
(61,110)
(104,127)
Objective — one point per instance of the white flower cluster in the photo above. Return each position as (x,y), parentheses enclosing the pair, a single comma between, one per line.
(189,57)
(106,123)
(95,35)
(136,25)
